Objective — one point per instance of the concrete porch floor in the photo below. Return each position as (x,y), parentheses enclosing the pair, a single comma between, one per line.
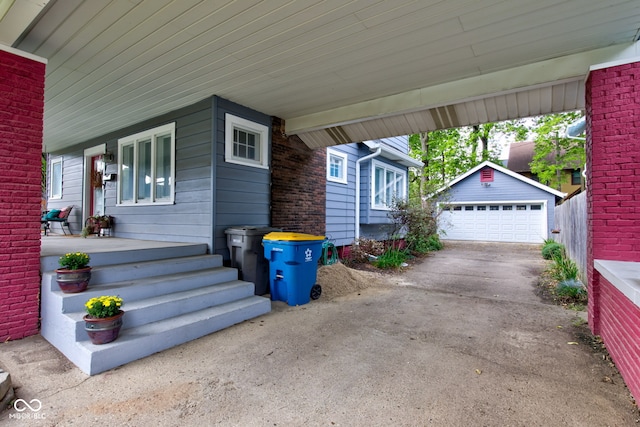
(56,244)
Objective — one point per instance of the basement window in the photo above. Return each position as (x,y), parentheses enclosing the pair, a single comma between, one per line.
(246,142)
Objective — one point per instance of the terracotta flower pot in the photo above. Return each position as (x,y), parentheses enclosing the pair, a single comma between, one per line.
(103,330)
(73,281)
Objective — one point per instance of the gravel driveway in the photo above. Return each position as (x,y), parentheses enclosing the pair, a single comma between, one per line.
(459,339)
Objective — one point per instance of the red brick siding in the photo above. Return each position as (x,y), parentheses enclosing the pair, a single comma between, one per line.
(21,115)
(298,185)
(613,208)
(620,330)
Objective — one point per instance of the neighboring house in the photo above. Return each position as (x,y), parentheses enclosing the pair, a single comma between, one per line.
(521,156)
(184,176)
(491,203)
(362,181)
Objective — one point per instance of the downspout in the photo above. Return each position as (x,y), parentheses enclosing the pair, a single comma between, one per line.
(363,159)
(572,132)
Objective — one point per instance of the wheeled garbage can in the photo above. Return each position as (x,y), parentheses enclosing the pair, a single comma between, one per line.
(245,248)
(293,266)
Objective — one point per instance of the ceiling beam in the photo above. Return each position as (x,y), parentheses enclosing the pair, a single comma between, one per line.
(540,74)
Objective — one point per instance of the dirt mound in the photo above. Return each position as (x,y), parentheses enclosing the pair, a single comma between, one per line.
(338,280)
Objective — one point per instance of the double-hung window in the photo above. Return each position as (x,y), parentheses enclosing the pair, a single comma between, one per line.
(336,166)
(389,184)
(146,164)
(56,178)
(246,142)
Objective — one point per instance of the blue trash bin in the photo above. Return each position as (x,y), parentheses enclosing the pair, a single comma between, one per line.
(293,266)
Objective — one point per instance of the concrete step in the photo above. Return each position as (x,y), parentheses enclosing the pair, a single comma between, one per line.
(150,287)
(153,309)
(125,256)
(167,302)
(141,341)
(123,275)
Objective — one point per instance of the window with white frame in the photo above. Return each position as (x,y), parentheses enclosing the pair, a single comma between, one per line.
(389,183)
(336,166)
(246,142)
(56,178)
(146,164)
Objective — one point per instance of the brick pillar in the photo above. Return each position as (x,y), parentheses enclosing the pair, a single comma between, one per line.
(613,208)
(21,110)
(298,184)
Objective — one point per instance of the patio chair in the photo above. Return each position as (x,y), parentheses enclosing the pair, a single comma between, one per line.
(56,215)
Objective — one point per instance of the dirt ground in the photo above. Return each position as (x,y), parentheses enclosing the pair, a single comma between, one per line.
(458,338)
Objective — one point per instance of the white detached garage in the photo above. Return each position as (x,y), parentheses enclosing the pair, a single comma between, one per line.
(492,203)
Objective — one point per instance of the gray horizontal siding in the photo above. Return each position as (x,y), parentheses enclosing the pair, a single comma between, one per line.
(242,193)
(340,201)
(189,218)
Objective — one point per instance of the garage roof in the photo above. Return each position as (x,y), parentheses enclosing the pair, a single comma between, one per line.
(505,171)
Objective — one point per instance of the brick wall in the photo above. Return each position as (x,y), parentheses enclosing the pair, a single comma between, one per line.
(298,185)
(613,208)
(620,331)
(21,116)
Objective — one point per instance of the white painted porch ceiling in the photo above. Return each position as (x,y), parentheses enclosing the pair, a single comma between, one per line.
(335,70)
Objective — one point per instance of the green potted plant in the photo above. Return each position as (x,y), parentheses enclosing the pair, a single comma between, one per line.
(103,319)
(74,273)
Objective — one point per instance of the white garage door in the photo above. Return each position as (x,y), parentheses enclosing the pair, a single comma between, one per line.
(524,222)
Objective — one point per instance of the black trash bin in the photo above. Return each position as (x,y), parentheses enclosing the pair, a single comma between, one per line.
(247,255)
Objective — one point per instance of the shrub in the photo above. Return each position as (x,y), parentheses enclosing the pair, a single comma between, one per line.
(419,224)
(393,258)
(564,269)
(552,250)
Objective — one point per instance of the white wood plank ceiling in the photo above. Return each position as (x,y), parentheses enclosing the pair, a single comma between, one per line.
(348,65)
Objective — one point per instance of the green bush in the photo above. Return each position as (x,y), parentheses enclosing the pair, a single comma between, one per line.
(418,223)
(393,258)
(572,292)
(564,269)
(552,250)
(423,244)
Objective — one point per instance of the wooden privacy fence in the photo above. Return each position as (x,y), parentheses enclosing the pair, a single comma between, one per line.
(571,219)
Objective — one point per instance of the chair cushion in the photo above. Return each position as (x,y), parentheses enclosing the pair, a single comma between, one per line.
(64,213)
(53,213)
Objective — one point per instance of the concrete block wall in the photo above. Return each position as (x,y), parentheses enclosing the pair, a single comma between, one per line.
(298,185)
(613,208)
(21,124)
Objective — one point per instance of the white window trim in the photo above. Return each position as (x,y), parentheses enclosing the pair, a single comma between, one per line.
(231,122)
(51,163)
(150,133)
(345,163)
(374,164)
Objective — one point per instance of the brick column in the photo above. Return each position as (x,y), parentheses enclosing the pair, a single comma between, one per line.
(613,208)
(298,185)
(21,112)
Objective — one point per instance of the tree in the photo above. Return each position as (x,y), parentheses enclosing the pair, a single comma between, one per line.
(553,151)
